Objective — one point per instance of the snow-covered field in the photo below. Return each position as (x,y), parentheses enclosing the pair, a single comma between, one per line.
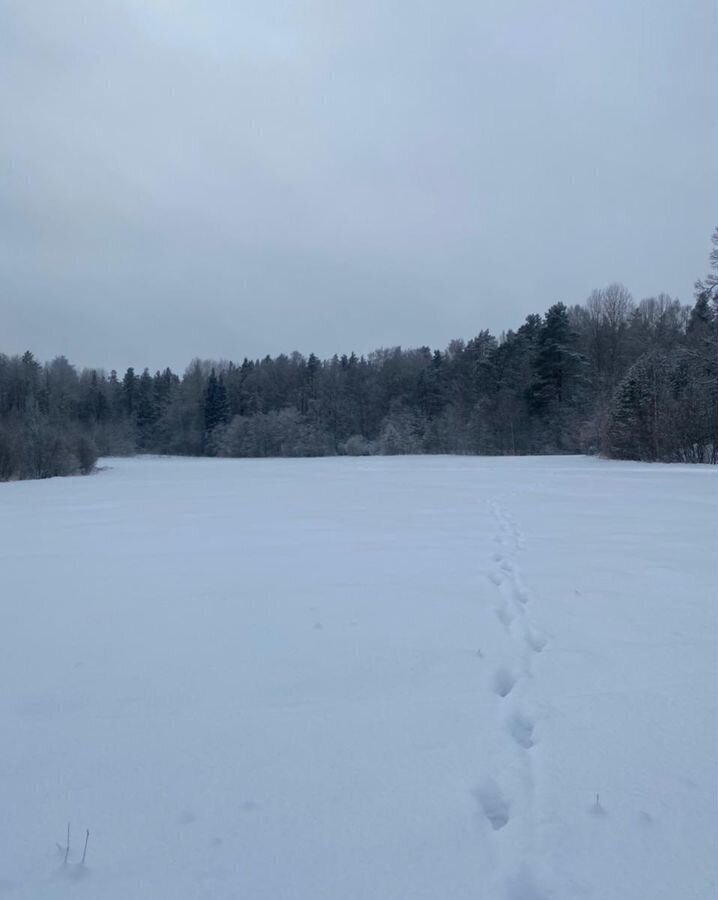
(360,679)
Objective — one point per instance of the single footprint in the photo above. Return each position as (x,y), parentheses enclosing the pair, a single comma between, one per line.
(492,803)
(521,729)
(535,640)
(523,886)
(504,616)
(504,682)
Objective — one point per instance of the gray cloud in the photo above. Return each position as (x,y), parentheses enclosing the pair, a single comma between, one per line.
(216,178)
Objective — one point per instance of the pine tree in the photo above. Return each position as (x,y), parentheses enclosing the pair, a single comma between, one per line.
(129,391)
(556,391)
(216,404)
(146,411)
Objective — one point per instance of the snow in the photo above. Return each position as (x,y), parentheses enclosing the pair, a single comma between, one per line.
(366,679)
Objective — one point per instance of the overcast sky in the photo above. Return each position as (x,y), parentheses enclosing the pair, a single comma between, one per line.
(222,179)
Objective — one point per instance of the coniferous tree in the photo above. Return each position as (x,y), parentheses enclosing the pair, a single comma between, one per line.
(146,411)
(129,392)
(216,403)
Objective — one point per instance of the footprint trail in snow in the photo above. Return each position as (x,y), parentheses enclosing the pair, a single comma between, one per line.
(506,797)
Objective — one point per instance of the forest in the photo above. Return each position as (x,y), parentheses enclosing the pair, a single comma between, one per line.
(611,376)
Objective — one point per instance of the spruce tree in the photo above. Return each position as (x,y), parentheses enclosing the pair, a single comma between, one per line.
(216,404)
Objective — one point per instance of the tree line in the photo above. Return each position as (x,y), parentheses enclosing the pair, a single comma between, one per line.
(611,376)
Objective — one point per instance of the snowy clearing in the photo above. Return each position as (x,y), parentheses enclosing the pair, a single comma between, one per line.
(360,679)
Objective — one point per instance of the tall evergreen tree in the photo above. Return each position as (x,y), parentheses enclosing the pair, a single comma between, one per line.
(216,404)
